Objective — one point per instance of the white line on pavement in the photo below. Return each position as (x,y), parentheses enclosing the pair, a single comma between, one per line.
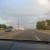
(37,38)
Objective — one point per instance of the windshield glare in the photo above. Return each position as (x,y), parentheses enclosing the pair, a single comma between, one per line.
(25,19)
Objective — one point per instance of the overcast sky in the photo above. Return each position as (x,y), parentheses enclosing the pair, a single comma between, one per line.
(28,11)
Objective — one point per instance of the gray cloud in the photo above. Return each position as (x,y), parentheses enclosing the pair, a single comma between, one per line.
(28,11)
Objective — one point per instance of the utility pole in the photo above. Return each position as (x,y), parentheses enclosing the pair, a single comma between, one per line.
(18,22)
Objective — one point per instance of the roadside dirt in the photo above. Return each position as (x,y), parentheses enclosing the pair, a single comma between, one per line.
(9,36)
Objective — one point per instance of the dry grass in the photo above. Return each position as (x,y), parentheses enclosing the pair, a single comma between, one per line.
(44,31)
(10,36)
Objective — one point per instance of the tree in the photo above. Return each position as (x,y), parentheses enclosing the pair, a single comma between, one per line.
(10,27)
(48,22)
(3,26)
(41,25)
(0,26)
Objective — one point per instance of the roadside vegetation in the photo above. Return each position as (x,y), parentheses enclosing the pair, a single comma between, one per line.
(44,31)
(43,26)
(3,26)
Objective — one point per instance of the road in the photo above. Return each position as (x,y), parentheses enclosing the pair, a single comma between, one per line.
(26,35)
(33,35)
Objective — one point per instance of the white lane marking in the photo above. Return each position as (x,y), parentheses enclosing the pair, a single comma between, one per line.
(37,38)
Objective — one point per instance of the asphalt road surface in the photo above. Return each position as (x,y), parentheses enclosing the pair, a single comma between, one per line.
(33,35)
(28,35)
